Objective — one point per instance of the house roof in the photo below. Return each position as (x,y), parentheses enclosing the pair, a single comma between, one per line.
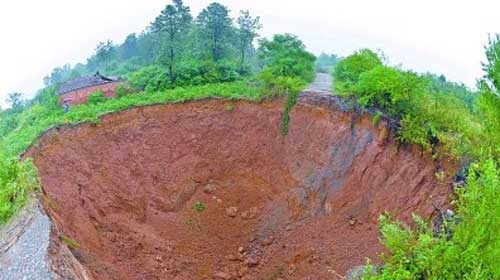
(84,82)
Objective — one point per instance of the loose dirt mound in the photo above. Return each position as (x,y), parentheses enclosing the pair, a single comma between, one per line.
(209,189)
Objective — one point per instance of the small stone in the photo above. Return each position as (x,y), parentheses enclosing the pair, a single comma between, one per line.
(291,269)
(241,249)
(222,275)
(219,200)
(232,211)
(209,189)
(243,271)
(267,241)
(352,222)
(251,261)
(232,257)
(244,215)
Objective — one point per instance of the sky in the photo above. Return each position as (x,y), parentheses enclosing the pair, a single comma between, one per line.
(444,37)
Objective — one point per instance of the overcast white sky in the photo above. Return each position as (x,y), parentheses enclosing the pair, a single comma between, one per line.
(445,36)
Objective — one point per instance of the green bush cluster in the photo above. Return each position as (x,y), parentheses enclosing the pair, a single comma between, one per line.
(96,97)
(432,112)
(469,244)
(288,68)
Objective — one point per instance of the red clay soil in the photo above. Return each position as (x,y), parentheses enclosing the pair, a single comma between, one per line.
(210,190)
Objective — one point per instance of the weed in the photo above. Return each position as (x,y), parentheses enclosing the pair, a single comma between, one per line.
(71,243)
(229,108)
(199,207)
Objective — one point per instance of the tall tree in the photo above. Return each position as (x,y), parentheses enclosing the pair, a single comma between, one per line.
(173,21)
(15,101)
(104,53)
(247,31)
(215,22)
(129,47)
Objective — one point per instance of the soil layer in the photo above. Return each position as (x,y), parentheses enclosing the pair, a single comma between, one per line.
(210,189)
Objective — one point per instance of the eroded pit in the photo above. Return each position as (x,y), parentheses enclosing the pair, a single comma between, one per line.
(210,189)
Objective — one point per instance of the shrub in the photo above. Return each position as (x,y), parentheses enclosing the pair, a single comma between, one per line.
(472,250)
(388,89)
(96,97)
(124,90)
(347,71)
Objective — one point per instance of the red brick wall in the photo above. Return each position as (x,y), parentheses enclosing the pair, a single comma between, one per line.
(80,96)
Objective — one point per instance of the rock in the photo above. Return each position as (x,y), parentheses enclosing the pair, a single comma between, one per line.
(209,189)
(297,203)
(241,249)
(222,275)
(291,269)
(219,200)
(252,261)
(358,273)
(267,241)
(232,211)
(232,257)
(243,271)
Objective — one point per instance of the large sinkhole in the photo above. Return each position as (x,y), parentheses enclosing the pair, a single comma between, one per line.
(211,189)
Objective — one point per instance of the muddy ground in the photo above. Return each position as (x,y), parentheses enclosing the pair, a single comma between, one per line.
(210,189)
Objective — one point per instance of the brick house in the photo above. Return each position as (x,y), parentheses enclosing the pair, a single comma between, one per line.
(76,91)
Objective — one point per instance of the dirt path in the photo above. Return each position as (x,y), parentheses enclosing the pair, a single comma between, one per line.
(322,83)
(24,244)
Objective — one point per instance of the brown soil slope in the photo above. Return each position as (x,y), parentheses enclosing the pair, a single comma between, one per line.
(131,190)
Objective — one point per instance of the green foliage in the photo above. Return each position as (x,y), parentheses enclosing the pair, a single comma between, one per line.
(216,25)
(246,33)
(288,67)
(432,112)
(473,250)
(376,118)
(348,70)
(285,55)
(199,207)
(17,179)
(96,97)
(388,89)
(124,90)
(71,243)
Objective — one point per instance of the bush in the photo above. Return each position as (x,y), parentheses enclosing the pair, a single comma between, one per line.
(288,68)
(124,90)
(388,89)
(347,71)
(472,250)
(96,97)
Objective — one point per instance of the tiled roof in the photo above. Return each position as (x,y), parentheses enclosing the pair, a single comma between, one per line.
(84,82)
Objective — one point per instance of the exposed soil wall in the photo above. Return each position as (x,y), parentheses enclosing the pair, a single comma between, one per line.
(126,190)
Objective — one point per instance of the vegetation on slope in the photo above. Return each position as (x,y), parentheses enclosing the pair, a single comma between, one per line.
(443,118)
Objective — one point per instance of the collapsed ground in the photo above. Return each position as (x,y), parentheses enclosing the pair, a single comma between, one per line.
(210,188)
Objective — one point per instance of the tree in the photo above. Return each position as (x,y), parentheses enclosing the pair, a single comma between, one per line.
(489,100)
(287,56)
(15,100)
(173,21)
(60,75)
(129,47)
(347,72)
(247,31)
(215,22)
(104,53)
